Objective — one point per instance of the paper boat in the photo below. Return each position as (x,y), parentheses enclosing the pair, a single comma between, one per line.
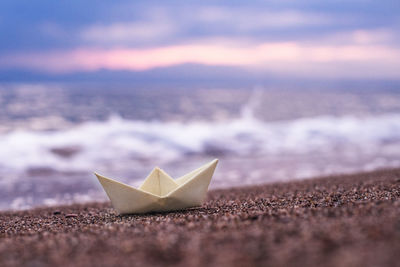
(159,192)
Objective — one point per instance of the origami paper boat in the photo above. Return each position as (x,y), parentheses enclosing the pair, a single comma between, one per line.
(159,192)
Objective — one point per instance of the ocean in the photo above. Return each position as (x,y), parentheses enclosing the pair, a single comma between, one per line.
(53,136)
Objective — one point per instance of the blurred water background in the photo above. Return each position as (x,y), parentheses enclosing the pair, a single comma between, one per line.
(53,136)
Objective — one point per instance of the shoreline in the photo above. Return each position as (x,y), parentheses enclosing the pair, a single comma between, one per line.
(340,220)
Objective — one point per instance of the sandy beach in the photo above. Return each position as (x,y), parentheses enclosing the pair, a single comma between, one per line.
(349,220)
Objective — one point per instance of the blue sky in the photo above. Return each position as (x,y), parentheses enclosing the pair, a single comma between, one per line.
(334,39)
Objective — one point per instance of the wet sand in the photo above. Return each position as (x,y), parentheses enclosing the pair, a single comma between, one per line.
(349,220)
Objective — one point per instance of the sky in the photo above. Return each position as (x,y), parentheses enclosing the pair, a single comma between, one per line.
(358,39)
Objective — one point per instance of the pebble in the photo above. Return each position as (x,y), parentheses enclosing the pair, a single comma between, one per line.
(283,224)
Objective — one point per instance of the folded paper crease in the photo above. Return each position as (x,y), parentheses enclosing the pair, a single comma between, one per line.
(159,191)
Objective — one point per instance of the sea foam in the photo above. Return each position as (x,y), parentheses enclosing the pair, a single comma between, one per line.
(118,141)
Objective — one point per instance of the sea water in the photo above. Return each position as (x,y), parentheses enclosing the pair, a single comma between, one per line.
(54,136)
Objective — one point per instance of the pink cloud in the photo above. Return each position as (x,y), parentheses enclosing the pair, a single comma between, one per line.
(280,57)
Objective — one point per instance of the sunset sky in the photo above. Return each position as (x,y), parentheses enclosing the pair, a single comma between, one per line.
(311,39)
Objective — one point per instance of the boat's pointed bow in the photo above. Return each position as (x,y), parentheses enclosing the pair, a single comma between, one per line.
(213,164)
(102,180)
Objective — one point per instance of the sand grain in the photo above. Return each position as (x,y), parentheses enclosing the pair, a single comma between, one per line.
(349,220)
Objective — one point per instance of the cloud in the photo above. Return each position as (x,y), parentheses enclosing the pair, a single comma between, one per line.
(72,24)
(353,59)
(128,32)
(250,19)
(361,36)
(167,26)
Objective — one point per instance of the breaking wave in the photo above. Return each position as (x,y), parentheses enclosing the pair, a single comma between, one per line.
(118,141)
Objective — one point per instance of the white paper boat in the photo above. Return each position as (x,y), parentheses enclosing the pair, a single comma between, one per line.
(159,192)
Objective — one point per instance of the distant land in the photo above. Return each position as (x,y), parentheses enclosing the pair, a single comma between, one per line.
(198,75)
